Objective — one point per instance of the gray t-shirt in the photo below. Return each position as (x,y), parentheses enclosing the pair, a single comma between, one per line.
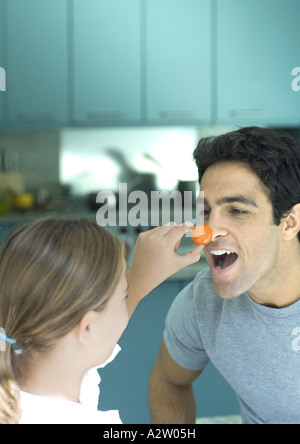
(255,348)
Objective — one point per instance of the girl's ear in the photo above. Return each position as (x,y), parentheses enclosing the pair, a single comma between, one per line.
(83,328)
(291,223)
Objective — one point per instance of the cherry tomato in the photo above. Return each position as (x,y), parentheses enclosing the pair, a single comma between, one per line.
(201,235)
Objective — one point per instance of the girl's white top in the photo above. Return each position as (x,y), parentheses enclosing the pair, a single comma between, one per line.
(43,410)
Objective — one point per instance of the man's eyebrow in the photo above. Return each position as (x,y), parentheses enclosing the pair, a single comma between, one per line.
(231,199)
(238,199)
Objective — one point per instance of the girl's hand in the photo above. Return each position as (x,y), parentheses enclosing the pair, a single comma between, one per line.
(155,259)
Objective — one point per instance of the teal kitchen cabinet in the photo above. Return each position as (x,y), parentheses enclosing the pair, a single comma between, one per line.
(106,61)
(257,48)
(37,62)
(178,61)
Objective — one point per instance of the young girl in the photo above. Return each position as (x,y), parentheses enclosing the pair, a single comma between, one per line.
(65,300)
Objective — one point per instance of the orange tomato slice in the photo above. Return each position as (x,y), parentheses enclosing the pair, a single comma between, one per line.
(201,235)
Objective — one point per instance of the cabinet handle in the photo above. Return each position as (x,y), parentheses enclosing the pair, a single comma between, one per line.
(248,113)
(178,115)
(31,117)
(105,116)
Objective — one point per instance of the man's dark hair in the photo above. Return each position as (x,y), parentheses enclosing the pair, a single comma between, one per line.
(274,156)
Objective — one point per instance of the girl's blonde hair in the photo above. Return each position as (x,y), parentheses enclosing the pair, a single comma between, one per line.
(52,272)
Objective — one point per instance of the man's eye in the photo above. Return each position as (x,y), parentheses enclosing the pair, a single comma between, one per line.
(238,211)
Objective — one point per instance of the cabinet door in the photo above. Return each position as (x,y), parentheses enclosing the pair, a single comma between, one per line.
(178,60)
(37,61)
(257,48)
(106,38)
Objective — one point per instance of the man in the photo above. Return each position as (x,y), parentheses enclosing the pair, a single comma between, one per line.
(243,312)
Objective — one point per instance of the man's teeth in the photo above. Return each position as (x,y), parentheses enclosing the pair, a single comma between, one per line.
(220,252)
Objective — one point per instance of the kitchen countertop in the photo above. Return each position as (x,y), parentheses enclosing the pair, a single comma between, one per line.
(15,217)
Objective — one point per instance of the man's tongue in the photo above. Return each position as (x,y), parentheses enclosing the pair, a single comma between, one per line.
(225,260)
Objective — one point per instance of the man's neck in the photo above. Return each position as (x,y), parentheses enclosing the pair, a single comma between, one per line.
(282,288)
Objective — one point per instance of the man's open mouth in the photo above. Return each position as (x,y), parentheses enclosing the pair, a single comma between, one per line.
(223,258)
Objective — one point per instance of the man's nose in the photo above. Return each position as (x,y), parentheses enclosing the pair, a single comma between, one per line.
(217,226)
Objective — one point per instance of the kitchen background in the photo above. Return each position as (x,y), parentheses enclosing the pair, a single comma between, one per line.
(103,91)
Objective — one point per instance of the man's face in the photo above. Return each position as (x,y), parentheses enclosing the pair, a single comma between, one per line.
(241,218)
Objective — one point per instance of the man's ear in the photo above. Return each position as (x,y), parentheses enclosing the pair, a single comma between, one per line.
(83,328)
(291,223)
